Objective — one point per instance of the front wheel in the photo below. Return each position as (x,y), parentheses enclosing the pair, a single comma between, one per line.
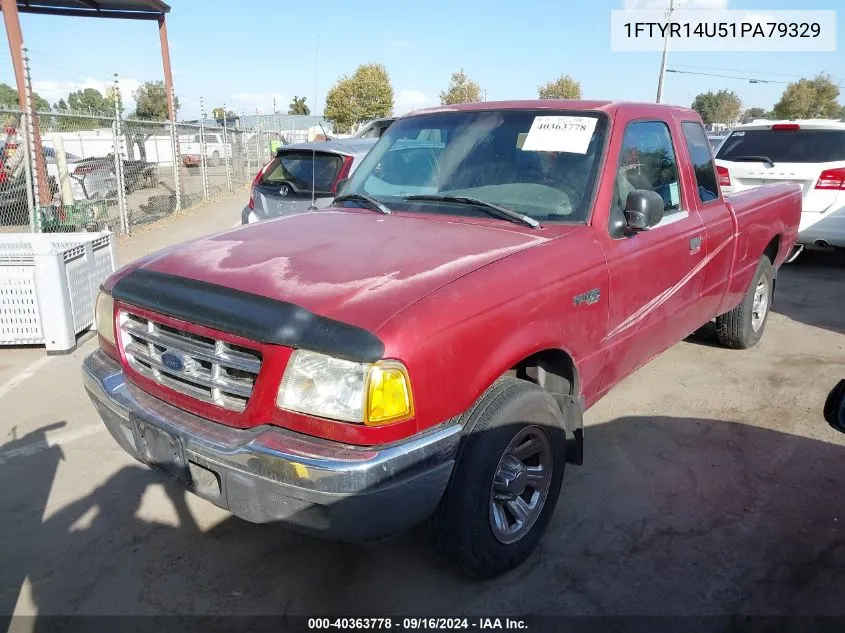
(215,159)
(743,326)
(505,483)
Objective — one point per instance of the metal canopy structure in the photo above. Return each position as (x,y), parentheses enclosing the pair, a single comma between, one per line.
(122,9)
(114,9)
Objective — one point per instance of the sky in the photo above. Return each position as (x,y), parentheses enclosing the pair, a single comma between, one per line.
(246,52)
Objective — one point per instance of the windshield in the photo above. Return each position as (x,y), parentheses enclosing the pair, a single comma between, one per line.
(298,168)
(541,163)
(786,146)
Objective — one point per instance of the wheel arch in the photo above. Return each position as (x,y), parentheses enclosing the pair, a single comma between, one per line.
(772,252)
(555,370)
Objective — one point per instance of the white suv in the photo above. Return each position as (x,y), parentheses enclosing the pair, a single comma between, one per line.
(810,153)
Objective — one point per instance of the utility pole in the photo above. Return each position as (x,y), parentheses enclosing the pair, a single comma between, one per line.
(665,52)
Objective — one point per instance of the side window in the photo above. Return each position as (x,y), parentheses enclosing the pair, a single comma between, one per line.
(648,161)
(702,161)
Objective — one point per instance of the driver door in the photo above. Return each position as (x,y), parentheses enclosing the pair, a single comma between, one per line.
(656,275)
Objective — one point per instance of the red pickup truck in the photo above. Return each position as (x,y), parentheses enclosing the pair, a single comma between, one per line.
(423,349)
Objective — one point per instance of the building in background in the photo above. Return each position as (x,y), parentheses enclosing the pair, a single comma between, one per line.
(294,128)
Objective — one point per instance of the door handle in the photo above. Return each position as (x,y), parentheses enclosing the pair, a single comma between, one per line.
(694,244)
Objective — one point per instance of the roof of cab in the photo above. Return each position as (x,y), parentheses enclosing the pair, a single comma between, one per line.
(610,107)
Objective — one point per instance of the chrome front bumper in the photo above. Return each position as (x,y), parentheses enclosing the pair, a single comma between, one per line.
(268,474)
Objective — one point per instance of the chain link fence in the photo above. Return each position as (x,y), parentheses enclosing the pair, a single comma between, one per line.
(115,173)
(69,171)
(15,187)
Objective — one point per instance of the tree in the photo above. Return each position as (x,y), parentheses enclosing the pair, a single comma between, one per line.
(564,87)
(151,101)
(9,99)
(364,96)
(755,113)
(90,101)
(340,106)
(218,114)
(718,107)
(461,89)
(816,98)
(298,106)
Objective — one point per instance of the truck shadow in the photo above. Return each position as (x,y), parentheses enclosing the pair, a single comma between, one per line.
(668,516)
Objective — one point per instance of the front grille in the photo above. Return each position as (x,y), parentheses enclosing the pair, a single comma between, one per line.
(207,369)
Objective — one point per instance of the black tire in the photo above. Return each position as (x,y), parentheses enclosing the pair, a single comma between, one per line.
(736,329)
(215,159)
(834,407)
(460,529)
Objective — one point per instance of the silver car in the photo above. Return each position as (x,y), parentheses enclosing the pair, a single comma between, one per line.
(303,177)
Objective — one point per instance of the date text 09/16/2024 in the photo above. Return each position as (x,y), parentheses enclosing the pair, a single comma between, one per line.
(417,624)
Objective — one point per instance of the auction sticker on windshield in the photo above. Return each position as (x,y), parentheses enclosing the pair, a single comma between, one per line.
(560,134)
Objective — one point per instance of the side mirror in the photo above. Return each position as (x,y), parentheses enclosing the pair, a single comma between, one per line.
(643,210)
(834,407)
(341,185)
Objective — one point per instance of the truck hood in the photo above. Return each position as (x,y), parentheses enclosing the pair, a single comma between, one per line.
(356,267)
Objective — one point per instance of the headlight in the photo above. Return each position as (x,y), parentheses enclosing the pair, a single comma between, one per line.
(104,316)
(368,393)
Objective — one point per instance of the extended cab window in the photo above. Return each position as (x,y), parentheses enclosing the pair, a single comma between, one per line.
(648,161)
(702,161)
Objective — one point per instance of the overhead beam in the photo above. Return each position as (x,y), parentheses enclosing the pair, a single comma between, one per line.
(90,4)
(87,13)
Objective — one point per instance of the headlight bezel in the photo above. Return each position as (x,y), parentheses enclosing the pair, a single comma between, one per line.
(104,317)
(386,374)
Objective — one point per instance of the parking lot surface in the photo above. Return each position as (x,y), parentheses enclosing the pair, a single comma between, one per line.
(711,485)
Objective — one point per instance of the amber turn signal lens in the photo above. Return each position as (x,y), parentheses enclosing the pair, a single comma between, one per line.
(389,396)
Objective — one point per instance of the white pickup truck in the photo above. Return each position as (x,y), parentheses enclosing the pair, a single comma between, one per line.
(215,148)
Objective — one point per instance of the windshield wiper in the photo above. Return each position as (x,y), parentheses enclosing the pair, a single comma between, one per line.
(753,159)
(489,207)
(371,202)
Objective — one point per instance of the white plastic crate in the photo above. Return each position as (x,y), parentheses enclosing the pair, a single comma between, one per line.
(49,284)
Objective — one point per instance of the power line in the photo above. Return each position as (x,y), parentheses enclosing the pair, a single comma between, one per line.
(45,70)
(736,70)
(68,65)
(752,80)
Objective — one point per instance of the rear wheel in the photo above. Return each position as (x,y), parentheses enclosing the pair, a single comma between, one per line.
(506,481)
(215,159)
(743,326)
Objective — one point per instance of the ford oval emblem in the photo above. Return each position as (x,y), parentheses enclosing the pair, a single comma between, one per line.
(172,360)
